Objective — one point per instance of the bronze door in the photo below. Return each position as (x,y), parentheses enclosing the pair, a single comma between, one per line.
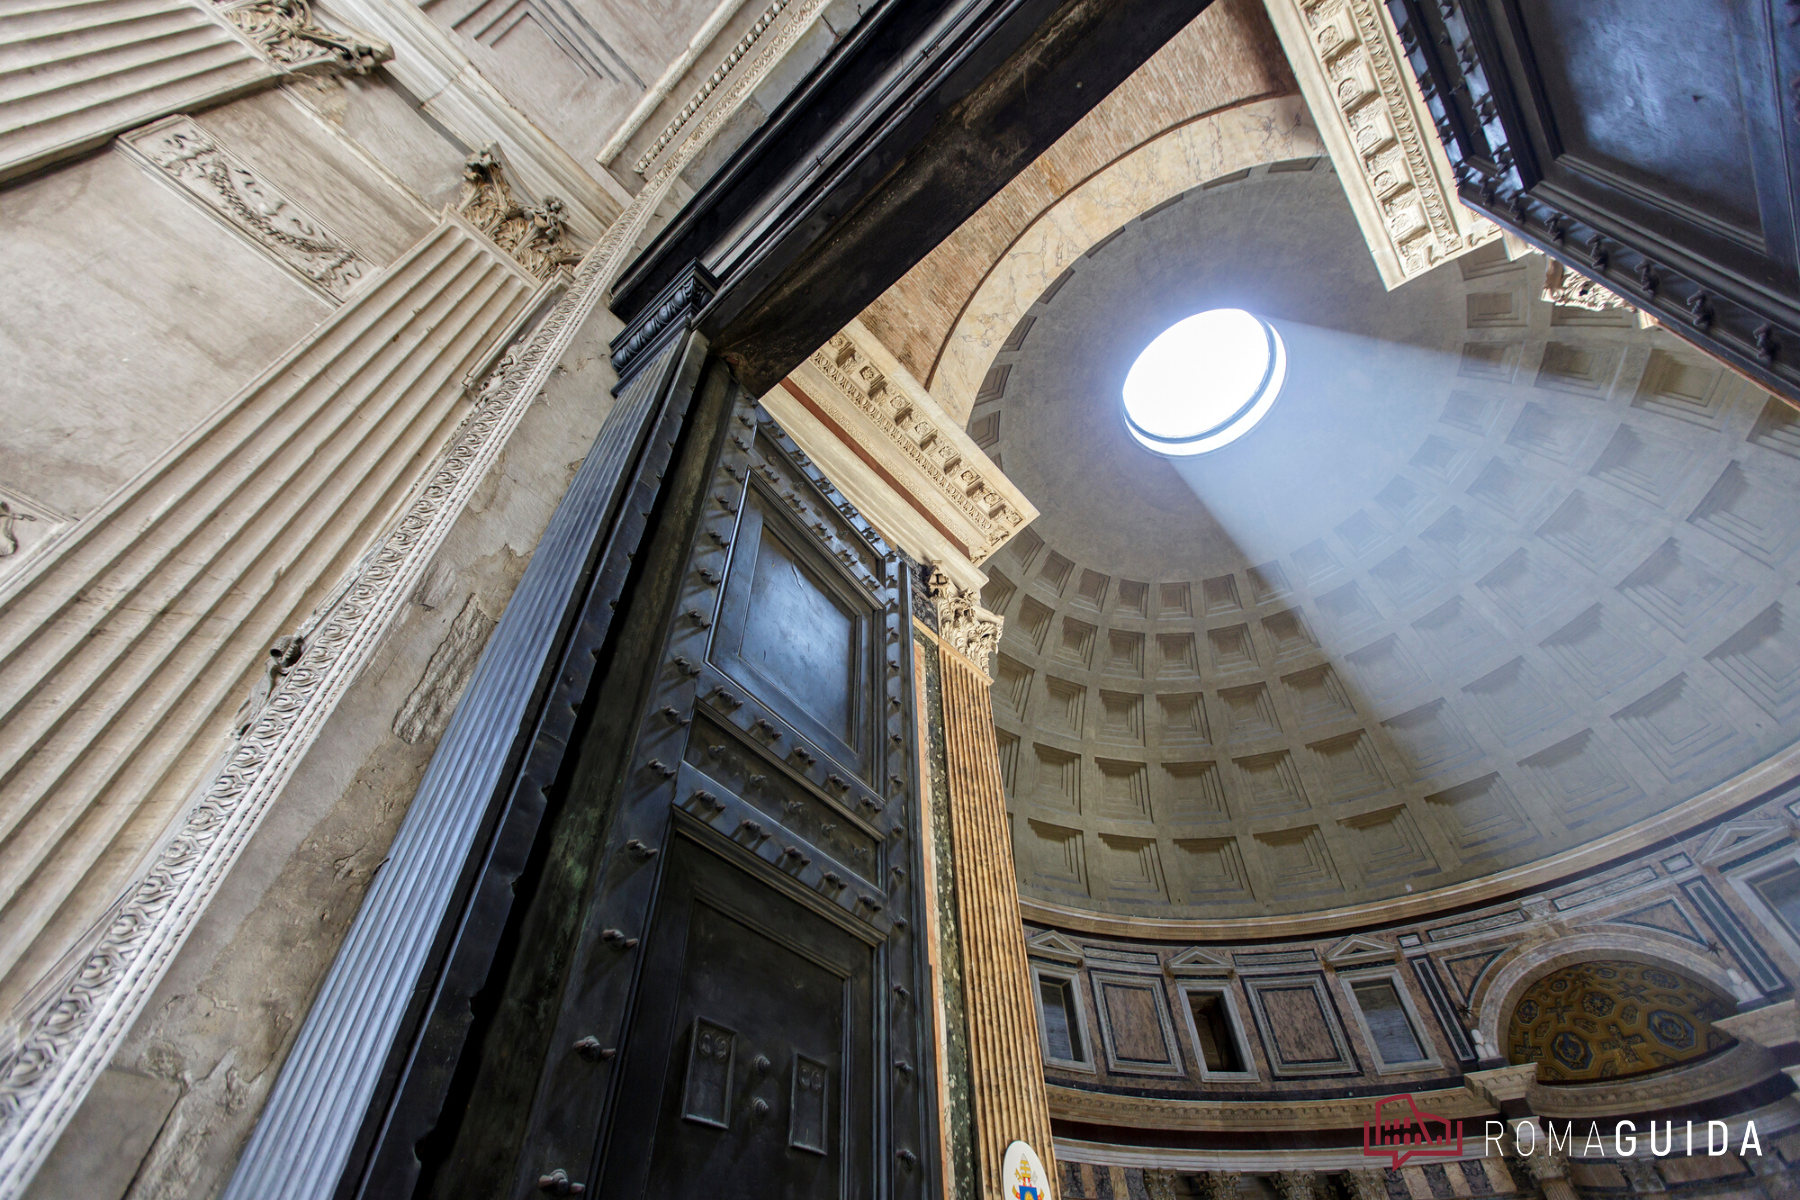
(741,1014)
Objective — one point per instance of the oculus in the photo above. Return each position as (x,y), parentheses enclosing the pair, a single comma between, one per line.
(1204,382)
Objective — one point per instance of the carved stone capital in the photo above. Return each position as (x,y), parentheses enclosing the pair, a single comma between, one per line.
(1217,1185)
(290,37)
(1367,1183)
(1159,1184)
(537,236)
(970,628)
(1296,1185)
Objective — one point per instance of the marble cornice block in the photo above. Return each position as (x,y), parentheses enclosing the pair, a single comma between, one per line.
(1347,59)
(901,458)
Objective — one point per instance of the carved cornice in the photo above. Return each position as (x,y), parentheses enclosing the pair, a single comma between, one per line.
(1235,1116)
(684,297)
(187,155)
(1347,59)
(1770,1026)
(871,403)
(1728,1071)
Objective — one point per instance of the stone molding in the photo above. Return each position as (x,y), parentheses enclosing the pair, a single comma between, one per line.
(72,1035)
(707,87)
(1728,1071)
(951,497)
(85,71)
(1501,990)
(1770,1027)
(1231,1116)
(1346,56)
(179,151)
(117,63)
(429,65)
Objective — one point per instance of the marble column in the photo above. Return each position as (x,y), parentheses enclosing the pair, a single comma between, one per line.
(1008,1095)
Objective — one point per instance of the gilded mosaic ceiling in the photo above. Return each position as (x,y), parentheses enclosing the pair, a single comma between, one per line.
(1606,1020)
(1494,579)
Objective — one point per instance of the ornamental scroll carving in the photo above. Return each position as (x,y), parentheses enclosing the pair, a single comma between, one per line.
(970,628)
(291,37)
(186,154)
(537,236)
(1346,56)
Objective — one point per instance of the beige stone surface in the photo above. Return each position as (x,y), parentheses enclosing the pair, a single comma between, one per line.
(75,72)
(127,313)
(1227,56)
(127,643)
(1189,155)
(218,1027)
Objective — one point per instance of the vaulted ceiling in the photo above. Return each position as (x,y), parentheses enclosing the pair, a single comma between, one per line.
(1496,580)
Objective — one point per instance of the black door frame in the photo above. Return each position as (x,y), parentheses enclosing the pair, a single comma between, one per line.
(906,128)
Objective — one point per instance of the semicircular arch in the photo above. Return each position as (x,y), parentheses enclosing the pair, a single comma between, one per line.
(1185,157)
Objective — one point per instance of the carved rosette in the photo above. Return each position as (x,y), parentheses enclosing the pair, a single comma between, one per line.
(970,628)
(1569,289)
(290,37)
(535,235)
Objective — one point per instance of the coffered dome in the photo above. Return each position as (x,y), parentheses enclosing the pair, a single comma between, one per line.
(1494,579)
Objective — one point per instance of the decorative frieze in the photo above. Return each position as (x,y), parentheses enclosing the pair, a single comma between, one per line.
(178,149)
(704,92)
(1347,59)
